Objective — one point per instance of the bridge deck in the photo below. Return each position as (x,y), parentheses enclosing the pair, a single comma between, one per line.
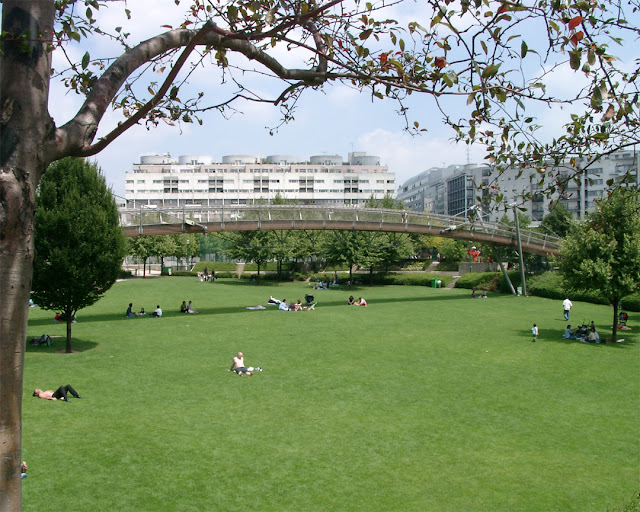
(157,221)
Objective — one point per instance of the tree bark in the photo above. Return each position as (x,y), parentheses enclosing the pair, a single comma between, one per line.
(614,332)
(26,140)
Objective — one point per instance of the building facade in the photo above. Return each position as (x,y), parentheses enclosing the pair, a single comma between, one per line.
(454,190)
(160,180)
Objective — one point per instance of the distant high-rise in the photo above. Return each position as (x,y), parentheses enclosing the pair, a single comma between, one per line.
(454,190)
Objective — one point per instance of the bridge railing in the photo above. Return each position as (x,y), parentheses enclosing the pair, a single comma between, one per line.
(238,214)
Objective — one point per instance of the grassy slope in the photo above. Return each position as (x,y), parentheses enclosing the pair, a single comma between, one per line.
(425,400)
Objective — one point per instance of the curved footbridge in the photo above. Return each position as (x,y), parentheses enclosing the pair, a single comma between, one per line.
(199,219)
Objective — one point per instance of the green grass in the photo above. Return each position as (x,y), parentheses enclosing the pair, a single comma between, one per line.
(426,400)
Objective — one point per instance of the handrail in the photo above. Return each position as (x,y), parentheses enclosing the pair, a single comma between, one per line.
(234,217)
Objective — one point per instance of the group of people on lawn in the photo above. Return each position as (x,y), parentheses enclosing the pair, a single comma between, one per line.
(184,308)
(156,313)
(284,306)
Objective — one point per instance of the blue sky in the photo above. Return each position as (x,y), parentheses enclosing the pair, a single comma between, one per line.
(335,120)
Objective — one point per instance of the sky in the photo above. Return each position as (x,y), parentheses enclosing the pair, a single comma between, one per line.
(334,120)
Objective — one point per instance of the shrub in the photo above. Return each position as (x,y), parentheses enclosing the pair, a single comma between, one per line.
(447,265)
(224,266)
(485,280)
(185,273)
(631,302)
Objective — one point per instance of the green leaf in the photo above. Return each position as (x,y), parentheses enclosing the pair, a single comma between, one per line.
(85,60)
(574,59)
(523,49)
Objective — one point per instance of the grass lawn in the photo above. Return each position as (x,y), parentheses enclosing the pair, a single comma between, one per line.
(426,400)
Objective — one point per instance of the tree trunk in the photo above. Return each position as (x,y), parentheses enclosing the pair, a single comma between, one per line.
(144,265)
(614,333)
(69,315)
(26,141)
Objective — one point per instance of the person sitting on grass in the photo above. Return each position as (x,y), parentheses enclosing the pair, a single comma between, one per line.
(157,313)
(58,394)
(568,333)
(130,313)
(351,301)
(238,366)
(191,310)
(361,302)
(142,313)
(283,305)
(183,307)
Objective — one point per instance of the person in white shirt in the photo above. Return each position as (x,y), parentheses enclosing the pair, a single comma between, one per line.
(566,306)
(157,312)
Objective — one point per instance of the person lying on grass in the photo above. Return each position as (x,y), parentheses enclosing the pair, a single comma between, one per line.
(58,394)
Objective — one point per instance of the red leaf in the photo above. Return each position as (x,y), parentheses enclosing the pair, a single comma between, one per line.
(503,8)
(440,62)
(577,37)
(575,22)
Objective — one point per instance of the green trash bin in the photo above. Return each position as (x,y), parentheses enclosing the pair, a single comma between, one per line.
(434,283)
(167,271)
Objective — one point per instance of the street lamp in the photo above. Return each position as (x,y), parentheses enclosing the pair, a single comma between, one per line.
(515,216)
(188,253)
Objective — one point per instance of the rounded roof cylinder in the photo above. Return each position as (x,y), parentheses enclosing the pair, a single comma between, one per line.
(282,159)
(326,160)
(360,159)
(194,160)
(239,159)
(156,159)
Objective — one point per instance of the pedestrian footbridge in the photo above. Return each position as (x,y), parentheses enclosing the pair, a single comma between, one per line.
(198,219)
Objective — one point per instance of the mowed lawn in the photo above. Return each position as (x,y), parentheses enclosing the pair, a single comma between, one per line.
(426,400)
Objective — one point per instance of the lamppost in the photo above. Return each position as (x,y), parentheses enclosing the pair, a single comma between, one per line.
(515,216)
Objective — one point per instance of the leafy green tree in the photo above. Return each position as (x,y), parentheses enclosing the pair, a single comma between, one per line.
(349,248)
(79,243)
(183,246)
(603,253)
(489,54)
(558,222)
(141,248)
(251,246)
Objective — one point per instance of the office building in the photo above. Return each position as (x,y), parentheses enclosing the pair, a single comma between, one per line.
(454,190)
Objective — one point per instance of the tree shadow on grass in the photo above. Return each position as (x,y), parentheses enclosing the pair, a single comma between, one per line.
(59,345)
(628,342)
(342,302)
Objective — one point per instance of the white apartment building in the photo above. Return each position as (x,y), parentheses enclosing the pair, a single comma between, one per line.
(244,180)
(454,190)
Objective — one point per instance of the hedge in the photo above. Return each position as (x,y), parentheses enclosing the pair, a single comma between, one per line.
(546,284)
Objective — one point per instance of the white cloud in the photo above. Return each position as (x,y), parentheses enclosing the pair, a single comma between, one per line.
(407,156)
